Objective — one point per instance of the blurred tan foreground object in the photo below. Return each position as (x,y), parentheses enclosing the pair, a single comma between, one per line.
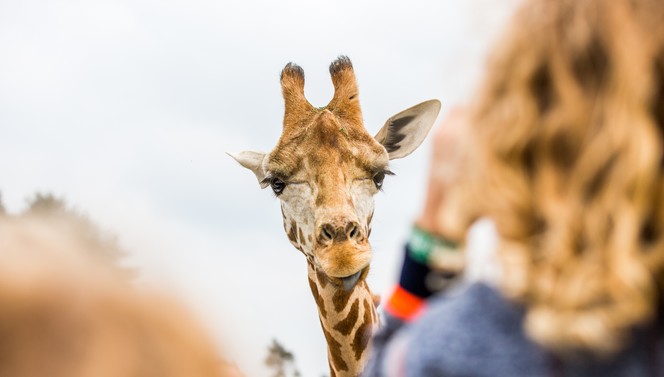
(65,314)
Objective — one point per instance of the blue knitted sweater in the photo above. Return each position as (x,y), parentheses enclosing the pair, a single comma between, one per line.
(474,331)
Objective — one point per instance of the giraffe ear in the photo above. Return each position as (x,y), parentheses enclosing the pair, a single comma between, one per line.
(405,131)
(252,161)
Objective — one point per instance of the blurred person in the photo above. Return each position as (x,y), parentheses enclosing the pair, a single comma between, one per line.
(64,314)
(562,152)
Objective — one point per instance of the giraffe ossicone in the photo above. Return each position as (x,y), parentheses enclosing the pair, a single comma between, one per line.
(325,170)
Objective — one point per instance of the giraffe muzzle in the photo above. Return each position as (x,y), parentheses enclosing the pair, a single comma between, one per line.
(344,260)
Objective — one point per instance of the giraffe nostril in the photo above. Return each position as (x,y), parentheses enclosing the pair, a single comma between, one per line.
(330,233)
(327,232)
(352,230)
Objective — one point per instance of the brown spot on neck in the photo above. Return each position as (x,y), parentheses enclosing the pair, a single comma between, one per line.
(292,233)
(345,326)
(322,279)
(340,299)
(363,333)
(301,236)
(334,349)
(318,298)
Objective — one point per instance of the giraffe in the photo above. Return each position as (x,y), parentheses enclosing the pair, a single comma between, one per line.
(325,170)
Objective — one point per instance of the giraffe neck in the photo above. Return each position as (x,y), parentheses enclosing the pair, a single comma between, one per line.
(348,320)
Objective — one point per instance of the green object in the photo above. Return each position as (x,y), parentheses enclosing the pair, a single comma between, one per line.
(429,249)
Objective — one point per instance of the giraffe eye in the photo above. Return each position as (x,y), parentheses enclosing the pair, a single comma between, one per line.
(277,185)
(378,179)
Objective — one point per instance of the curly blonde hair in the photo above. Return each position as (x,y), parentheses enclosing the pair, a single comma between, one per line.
(568,139)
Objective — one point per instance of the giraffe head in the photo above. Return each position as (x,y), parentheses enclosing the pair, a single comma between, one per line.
(326,168)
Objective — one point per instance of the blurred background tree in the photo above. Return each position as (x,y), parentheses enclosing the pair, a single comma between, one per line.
(281,361)
(105,246)
(2,207)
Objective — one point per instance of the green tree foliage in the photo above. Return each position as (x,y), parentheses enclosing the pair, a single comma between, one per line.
(281,361)
(45,205)
(105,245)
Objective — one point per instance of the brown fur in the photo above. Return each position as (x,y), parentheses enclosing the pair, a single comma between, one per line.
(340,299)
(334,349)
(320,303)
(322,279)
(346,102)
(292,234)
(329,150)
(328,147)
(301,236)
(346,317)
(345,326)
(363,333)
(298,109)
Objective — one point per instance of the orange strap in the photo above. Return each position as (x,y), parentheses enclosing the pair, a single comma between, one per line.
(404,305)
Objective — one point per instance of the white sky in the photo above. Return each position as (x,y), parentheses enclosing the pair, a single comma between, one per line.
(126,108)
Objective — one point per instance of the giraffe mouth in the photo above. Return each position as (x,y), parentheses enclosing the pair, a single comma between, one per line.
(350,281)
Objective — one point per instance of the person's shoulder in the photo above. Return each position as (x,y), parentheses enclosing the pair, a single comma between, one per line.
(476,303)
(468,311)
(472,330)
